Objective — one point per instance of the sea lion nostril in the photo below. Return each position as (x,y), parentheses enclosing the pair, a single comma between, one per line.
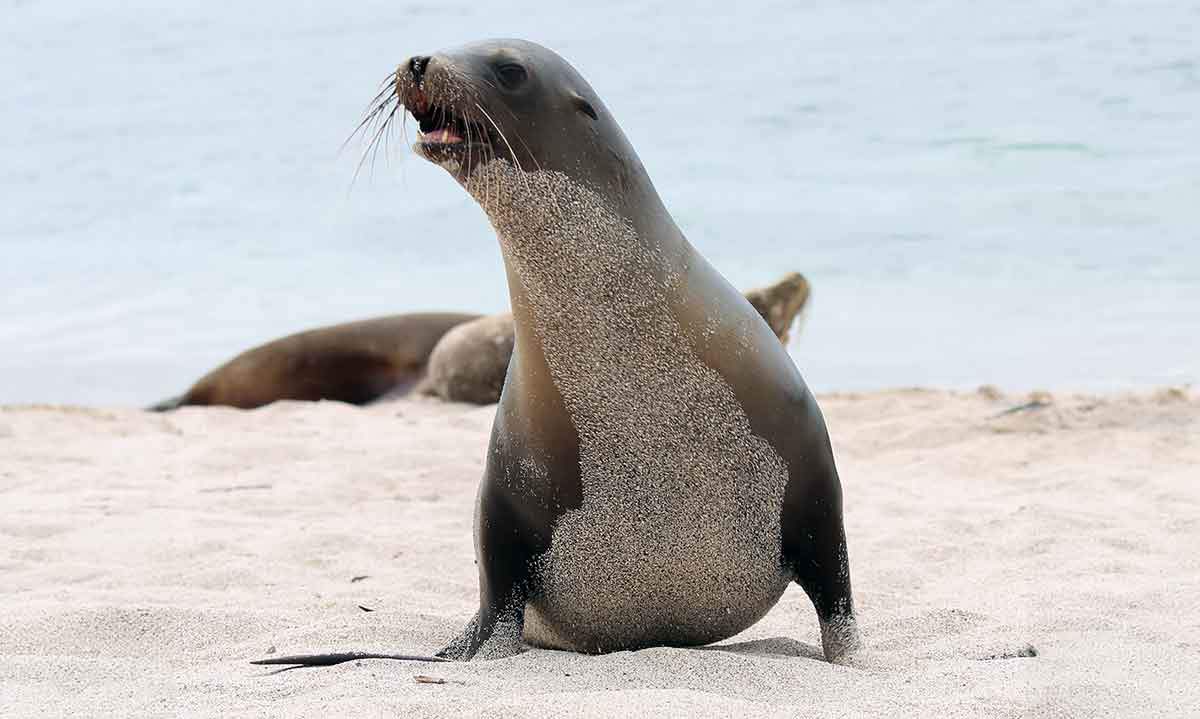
(417,66)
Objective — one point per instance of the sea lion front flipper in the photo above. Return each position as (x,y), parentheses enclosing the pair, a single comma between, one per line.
(504,578)
(496,636)
(840,637)
(818,556)
(458,648)
(814,537)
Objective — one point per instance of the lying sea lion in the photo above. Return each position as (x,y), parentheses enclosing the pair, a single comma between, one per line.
(354,362)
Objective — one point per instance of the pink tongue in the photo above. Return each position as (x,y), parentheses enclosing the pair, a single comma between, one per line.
(444,136)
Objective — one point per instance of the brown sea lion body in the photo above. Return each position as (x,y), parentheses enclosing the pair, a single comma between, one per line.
(355,362)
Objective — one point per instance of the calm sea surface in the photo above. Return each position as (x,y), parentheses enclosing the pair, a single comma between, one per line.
(987,192)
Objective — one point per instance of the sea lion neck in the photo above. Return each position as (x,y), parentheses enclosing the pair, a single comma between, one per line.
(570,250)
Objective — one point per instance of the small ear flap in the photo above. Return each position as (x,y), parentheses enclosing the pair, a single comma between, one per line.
(584,106)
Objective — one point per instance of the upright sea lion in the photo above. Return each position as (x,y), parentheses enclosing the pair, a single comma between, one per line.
(469,364)
(658,472)
(354,362)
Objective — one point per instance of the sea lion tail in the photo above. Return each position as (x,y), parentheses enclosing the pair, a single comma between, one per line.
(167,404)
(328,660)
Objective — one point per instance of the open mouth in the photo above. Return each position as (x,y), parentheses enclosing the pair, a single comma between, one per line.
(444,130)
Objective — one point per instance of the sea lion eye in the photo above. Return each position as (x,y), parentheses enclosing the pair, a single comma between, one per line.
(511,75)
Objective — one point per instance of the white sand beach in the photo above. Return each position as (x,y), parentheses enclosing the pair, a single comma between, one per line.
(147,558)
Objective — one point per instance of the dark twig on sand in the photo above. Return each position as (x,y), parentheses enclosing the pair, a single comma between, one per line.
(234,488)
(1027,407)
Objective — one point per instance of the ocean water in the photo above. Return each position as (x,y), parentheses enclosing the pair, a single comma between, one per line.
(981,193)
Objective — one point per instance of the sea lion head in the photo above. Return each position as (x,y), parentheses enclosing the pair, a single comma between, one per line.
(516,102)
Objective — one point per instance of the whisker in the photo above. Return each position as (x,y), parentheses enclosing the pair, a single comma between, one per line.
(373,147)
(466,169)
(513,115)
(506,142)
(391,80)
(371,117)
(378,104)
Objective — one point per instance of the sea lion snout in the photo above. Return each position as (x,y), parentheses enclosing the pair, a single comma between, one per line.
(416,67)
(407,83)
(455,129)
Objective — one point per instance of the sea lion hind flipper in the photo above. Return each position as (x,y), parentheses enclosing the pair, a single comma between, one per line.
(328,660)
